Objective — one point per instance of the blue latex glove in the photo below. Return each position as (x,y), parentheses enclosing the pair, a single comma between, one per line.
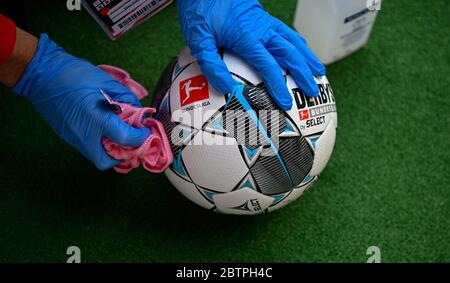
(262,40)
(65,91)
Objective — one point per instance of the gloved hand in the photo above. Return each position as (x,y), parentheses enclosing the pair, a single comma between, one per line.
(65,90)
(262,40)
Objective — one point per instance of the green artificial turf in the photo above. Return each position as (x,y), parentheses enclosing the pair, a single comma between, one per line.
(387,184)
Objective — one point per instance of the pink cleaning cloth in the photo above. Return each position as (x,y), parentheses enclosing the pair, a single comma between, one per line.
(124,78)
(154,154)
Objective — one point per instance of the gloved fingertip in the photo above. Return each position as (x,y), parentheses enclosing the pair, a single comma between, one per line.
(285,104)
(219,77)
(137,136)
(316,67)
(146,132)
(283,99)
(123,134)
(223,85)
(106,162)
(312,91)
(320,70)
(216,71)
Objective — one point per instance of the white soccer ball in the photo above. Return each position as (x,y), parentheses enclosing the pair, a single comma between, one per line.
(240,153)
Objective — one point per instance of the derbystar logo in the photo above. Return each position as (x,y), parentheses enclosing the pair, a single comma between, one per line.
(326,95)
(193,90)
(255,206)
(310,107)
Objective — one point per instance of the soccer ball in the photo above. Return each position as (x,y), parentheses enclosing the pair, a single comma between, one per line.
(239,153)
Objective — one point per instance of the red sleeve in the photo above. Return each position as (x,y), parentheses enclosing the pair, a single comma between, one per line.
(7,38)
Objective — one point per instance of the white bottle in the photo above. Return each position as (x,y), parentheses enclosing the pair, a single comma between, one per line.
(335,28)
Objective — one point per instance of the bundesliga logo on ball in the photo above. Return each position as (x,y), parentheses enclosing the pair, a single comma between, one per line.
(239,153)
(193,89)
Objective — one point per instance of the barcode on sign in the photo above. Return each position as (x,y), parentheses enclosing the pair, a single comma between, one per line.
(136,16)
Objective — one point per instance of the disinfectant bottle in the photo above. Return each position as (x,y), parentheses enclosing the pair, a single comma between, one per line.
(335,28)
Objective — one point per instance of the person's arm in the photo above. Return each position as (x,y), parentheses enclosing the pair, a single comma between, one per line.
(66,92)
(14,68)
